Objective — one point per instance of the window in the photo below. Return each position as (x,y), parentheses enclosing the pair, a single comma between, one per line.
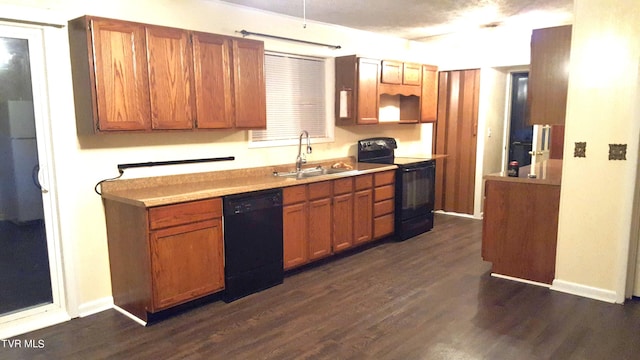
(296,101)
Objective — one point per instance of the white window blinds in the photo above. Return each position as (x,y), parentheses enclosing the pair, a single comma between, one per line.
(295,98)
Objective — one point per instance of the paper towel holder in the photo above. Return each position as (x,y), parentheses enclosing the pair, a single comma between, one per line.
(345,99)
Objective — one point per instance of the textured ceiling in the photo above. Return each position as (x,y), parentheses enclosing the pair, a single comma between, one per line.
(418,19)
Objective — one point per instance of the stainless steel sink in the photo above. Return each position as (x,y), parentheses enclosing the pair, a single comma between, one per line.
(311,172)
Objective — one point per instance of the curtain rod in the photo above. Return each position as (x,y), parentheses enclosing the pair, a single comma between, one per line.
(246,33)
(28,22)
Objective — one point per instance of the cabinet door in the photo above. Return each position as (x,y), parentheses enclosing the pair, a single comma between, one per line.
(294,223)
(411,74)
(391,72)
(319,228)
(170,78)
(548,75)
(363,216)
(213,92)
(186,262)
(249,84)
(368,72)
(342,222)
(120,75)
(429,98)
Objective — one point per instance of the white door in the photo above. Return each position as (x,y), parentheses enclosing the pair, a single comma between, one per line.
(31,293)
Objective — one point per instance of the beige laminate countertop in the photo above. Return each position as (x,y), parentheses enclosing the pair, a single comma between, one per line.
(547,172)
(166,190)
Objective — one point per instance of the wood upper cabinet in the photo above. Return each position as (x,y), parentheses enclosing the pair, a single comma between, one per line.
(212,79)
(112,86)
(249,84)
(171,87)
(164,256)
(549,75)
(429,96)
(356,90)
(391,72)
(399,73)
(411,74)
(147,77)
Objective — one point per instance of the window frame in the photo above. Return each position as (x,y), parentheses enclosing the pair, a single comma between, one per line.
(329,82)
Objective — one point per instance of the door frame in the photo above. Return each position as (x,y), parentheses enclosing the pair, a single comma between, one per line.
(41,316)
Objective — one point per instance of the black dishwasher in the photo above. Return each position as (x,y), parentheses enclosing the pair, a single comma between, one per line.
(252,242)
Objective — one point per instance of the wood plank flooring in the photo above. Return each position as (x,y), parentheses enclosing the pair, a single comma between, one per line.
(430,297)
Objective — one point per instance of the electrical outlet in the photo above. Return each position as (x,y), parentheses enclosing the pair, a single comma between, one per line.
(580,150)
(617,151)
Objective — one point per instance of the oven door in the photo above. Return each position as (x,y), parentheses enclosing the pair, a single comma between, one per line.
(415,190)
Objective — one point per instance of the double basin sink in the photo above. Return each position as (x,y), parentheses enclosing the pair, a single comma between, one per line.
(311,172)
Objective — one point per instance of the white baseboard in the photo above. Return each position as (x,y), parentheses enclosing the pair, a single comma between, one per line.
(95,306)
(129,315)
(520,280)
(584,291)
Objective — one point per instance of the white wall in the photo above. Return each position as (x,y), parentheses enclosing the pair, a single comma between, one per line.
(596,199)
(81,161)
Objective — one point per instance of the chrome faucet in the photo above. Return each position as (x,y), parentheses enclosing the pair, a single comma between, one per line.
(301,159)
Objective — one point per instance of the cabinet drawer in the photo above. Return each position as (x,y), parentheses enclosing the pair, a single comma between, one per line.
(383,193)
(343,186)
(384,178)
(319,190)
(184,213)
(364,182)
(294,194)
(383,207)
(383,226)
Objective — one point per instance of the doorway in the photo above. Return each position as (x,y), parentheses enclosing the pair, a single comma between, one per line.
(456,136)
(520,132)
(30,275)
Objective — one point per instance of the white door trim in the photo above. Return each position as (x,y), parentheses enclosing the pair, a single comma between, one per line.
(41,316)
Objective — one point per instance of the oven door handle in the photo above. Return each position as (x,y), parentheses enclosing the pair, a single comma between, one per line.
(414,169)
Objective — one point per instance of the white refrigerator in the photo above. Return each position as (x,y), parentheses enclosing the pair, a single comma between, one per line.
(20,196)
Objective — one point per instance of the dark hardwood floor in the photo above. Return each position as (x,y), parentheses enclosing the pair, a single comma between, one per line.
(430,297)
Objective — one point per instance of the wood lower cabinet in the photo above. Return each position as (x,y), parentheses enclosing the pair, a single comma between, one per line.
(520,229)
(319,237)
(328,217)
(136,77)
(181,262)
(164,256)
(294,223)
(363,209)
(295,228)
(383,206)
(343,215)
